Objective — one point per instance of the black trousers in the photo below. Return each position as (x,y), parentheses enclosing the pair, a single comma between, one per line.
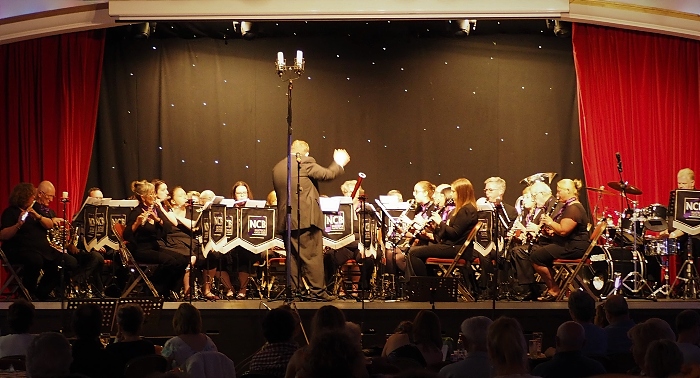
(420,253)
(171,267)
(524,271)
(337,257)
(306,259)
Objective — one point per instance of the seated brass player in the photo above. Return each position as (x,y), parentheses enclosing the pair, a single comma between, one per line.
(23,230)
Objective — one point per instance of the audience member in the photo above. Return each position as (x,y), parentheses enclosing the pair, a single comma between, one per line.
(618,317)
(476,364)
(326,318)
(89,356)
(187,324)
(507,349)
(688,330)
(663,359)
(569,360)
(335,354)
(278,330)
(425,336)
(582,311)
(20,317)
(129,343)
(643,334)
(49,356)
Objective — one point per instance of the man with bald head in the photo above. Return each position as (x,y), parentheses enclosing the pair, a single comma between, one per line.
(569,360)
(685,179)
(28,244)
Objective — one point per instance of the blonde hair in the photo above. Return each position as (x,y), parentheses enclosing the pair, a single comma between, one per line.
(687,172)
(142,188)
(428,187)
(300,146)
(573,185)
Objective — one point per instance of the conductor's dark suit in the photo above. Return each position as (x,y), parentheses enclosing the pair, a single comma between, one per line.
(307,238)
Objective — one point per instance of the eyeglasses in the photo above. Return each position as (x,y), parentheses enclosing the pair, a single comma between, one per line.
(50,196)
(418,191)
(490,190)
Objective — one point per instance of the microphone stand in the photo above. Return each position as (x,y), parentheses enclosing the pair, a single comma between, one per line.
(61,267)
(192,289)
(294,72)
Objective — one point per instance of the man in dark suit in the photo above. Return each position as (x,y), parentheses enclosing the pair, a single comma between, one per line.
(306,232)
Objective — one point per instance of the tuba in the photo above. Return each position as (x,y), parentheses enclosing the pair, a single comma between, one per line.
(62,235)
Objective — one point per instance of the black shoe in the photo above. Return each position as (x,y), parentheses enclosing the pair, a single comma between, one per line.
(325,297)
(528,297)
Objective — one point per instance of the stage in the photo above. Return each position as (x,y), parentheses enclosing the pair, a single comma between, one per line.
(235,325)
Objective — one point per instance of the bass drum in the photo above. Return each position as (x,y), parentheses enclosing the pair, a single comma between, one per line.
(607,263)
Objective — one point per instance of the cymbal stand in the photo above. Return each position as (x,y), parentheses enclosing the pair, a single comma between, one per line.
(691,279)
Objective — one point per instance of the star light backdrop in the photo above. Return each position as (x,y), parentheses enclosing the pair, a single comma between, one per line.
(407,102)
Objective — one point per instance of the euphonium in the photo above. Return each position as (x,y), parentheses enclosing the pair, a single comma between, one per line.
(59,233)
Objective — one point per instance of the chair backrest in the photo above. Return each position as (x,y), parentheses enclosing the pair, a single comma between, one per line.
(470,239)
(118,229)
(210,364)
(598,230)
(16,362)
(141,367)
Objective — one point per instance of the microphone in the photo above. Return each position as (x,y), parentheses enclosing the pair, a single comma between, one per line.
(298,157)
(619,162)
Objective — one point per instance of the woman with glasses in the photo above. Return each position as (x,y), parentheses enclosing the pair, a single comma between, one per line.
(423,193)
(146,230)
(451,233)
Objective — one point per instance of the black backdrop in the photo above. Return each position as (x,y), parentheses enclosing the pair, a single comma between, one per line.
(408,103)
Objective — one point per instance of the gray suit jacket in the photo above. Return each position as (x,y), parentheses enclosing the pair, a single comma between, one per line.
(310,174)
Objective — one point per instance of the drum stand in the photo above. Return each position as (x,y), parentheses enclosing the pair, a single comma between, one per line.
(638,281)
(664,289)
(691,279)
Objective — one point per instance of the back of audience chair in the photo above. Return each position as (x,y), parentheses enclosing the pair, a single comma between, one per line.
(144,366)
(16,362)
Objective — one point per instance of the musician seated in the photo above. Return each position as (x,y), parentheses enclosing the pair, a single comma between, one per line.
(568,228)
(423,193)
(145,235)
(243,259)
(90,262)
(450,234)
(537,203)
(185,232)
(335,258)
(24,232)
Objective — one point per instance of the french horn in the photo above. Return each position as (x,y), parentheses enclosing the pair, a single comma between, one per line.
(59,233)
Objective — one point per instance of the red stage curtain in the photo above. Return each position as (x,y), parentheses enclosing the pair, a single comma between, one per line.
(48,112)
(638,95)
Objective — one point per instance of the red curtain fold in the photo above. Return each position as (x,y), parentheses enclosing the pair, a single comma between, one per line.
(639,96)
(48,111)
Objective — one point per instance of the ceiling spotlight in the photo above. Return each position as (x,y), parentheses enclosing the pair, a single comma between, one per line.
(142,30)
(465,27)
(559,28)
(245,29)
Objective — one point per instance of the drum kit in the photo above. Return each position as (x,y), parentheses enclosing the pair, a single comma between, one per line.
(619,262)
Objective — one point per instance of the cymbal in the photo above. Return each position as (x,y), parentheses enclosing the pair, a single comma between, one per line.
(629,189)
(601,190)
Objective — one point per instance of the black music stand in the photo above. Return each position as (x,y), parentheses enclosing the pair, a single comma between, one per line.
(108,307)
(686,217)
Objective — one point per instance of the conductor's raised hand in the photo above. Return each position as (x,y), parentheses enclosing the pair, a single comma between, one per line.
(341,157)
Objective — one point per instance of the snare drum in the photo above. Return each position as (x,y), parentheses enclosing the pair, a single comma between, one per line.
(655,215)
(661,247)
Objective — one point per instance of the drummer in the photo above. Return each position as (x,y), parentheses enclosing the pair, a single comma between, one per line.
(684,180)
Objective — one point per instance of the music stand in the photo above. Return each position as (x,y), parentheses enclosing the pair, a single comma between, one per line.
(686,217)
(108,307)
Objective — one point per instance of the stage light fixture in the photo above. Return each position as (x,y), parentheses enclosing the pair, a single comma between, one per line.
(143,30)
(465,27)
(246,30)
(560,28)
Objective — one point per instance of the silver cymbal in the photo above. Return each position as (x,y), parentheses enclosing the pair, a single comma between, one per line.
(545,177)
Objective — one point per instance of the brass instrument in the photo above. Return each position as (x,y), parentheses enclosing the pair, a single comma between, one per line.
(544,177)
(59,233)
